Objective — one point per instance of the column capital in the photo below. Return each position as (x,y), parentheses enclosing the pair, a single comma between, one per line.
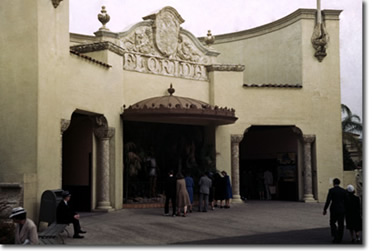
(309,138)
(236,138)
(104,132)
(64,125)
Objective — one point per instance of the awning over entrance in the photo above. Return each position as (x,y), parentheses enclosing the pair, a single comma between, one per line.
(178,110)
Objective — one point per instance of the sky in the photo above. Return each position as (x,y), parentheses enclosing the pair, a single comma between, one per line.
(222,16)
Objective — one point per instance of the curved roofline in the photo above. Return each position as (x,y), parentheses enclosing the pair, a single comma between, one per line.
(276,25)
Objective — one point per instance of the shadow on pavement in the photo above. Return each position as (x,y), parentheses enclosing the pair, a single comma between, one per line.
(317,236)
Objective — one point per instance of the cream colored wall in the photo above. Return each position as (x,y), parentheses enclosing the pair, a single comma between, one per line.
(140,86)
(315,108)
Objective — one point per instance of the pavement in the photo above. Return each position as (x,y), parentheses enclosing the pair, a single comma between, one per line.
(269,223)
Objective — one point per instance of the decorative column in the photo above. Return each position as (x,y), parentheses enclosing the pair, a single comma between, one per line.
(235,179)
(103,134)
(308,177)
(64,126)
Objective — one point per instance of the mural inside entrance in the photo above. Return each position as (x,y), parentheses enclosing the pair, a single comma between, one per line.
(153,149)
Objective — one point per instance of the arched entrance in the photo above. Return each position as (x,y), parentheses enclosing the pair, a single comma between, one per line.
(265,150)
(77,146)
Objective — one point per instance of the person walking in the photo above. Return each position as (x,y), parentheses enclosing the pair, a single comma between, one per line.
(353,214)
(205,184)
(170,193)
(25,230)
(268,180)
(336,198)
(190,190)
(183,200)
(66,215)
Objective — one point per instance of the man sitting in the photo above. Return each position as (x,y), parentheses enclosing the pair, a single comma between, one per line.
(65,215)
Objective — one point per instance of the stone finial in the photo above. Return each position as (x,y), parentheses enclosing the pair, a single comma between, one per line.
(209,39)
(56,3)
(104,18)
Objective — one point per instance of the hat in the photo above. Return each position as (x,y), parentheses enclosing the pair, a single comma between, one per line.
(17,211)
(65,194)
(350,188)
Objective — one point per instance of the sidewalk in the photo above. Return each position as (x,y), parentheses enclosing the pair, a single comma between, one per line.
(253,222)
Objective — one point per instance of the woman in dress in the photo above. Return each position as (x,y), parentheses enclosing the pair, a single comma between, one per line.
(228,189)
(190,190)
(183,199)
(353,214)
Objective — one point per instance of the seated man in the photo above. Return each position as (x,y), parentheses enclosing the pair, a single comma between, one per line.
(65,215)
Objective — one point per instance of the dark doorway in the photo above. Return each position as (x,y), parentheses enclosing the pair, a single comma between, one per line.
(273,149)
(77,161)
(186,148)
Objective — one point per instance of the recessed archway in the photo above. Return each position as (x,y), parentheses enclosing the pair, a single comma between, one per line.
(274,149)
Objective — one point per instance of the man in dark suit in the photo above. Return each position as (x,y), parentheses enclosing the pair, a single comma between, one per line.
(170,193)
(337,196)
(65,215)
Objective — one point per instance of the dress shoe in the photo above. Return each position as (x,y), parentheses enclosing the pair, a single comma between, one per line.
(78,237)
(82,232)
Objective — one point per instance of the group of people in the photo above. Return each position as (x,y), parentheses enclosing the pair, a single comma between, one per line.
(179,190)
(26,230)
(344,205)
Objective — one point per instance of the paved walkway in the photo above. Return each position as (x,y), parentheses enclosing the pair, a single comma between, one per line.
(253,222)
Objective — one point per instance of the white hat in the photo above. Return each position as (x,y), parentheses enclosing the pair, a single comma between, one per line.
(17,211)
(350,188)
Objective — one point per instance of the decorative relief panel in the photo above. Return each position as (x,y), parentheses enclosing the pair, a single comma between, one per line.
(159,45)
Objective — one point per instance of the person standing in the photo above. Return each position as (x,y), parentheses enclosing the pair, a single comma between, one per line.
(228,189)
(353,214)
(220,189)
(205,184)
(66,215)
(25,230)
(183,200)
(336,198)
(268,181)
(170,193)
(190,190)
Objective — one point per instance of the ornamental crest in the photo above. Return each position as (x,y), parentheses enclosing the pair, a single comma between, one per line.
(167,28)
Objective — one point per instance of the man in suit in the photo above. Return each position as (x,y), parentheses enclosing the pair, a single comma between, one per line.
(336,197)
(65,215)
(25,231)
(170,193)
(205,184)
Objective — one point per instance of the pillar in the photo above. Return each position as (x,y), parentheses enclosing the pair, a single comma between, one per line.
(235,179)
(308,176)
(64,126)
(103,134)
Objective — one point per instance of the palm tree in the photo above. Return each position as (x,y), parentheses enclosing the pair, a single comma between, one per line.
(351,125)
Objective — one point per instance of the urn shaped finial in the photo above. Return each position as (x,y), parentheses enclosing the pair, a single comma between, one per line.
(210,38)
(104,18)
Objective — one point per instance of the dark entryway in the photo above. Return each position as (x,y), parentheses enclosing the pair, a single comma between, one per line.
(186,148)
(77,161)
(273,149)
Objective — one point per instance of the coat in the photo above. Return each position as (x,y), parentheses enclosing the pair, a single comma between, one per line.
(353,212)
(65,214)
(190,187)
(182,195)
(337,196)
(205,184)
(28,232)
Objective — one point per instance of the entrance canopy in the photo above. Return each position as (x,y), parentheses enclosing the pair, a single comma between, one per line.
(178,110)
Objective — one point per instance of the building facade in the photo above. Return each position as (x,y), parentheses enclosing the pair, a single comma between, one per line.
(84,112)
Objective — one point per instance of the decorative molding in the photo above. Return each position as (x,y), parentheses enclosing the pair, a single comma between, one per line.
(56,3)
(295,86)
(101,129)
(225,67)
(90,59)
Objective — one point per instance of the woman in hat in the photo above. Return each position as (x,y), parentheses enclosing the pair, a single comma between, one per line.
(353,214)
(25,231)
